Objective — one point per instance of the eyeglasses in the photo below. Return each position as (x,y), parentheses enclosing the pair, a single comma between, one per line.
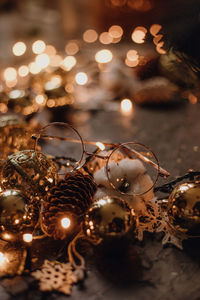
(121,161)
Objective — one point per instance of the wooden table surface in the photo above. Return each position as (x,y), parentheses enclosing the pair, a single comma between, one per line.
(154,272)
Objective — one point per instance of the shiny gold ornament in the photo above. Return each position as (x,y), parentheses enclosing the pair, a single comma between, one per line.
(184,209)
(30,171)
(16,215)
(15,135)
(109,218)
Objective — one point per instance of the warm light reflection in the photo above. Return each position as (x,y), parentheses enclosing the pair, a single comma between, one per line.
(90,36)
(10,74)
(38,47)
(7,236)
(105,38)
(126,106)
(3,259)
(72,48)
(100,146)
(81,78)
(23,71)
(27,237)
(115,31)
(139,34)
(103,56)
(42,60)
(154,29)
(19,49)
(69,62)
(65,222)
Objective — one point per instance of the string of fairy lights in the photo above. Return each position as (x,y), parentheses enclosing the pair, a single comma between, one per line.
(46,60)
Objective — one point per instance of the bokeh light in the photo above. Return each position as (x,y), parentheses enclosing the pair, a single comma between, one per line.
(23,71)
(27,237)
(115,31)
(10,74)
(105,38)
(34,68)
(71,48)
(126,106)
(65,222)
(90,36)
(40,99)
(38,47)
(139,34)
(132,55)
(103,56)
(19,48)
(154,29)
(50,50)
(42,60)
(68,63)
(81,78)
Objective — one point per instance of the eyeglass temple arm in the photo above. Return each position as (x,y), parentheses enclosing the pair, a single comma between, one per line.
(36,137)
(161,171)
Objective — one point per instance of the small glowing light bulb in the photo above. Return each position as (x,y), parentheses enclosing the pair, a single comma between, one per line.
(81,78)
(65,222)
(126,106)
(27,237)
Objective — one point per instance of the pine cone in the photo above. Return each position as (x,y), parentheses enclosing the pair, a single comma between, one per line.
(70,198)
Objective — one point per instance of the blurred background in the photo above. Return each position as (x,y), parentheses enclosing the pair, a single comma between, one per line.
(93,55)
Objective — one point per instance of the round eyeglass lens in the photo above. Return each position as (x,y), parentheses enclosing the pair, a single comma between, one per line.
(62,141)
(132,169)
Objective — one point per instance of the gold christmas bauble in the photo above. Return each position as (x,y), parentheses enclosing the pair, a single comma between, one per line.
(184,208)
(15,135)
(109,218)
(16,215)
(28,170)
